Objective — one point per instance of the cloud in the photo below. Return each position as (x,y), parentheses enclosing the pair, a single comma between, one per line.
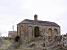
(14,11)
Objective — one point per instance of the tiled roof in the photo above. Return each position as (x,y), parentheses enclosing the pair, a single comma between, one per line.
(45,23)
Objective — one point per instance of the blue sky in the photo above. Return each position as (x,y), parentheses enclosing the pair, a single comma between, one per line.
(14,11)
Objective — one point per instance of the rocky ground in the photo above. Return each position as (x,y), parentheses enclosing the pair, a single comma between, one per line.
(10,45)
(5,44)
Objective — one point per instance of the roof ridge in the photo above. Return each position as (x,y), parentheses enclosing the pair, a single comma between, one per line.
(42,22)
(38,20)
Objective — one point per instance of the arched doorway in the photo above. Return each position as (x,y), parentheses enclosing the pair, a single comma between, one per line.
(36,31)
(17,38)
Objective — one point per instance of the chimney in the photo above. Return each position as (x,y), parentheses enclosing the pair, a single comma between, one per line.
(35,17)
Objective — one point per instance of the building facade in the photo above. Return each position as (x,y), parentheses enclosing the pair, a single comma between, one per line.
(12,34)
(38,33)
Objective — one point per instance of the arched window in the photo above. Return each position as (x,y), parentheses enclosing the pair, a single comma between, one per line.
(55,31)
(36,32)
(49,32)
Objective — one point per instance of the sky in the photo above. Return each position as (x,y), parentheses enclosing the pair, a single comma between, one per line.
(14,11)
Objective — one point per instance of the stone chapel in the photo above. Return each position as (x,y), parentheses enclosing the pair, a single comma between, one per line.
(38,33)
